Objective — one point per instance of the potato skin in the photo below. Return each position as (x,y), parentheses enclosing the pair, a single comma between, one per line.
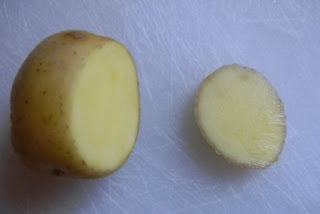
(41,103)
(212,145)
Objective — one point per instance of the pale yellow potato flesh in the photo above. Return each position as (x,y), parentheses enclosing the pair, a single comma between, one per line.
(241,116)
(75,106)
(105,109)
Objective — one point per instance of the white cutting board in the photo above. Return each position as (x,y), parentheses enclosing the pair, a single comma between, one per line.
(176,44)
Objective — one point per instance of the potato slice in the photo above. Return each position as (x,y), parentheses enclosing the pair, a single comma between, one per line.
(241,116)
(75,105)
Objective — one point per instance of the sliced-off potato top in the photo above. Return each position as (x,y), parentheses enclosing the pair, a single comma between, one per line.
(241,116)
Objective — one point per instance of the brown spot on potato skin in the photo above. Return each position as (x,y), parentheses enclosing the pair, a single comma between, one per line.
(44,121)
(76,35)
(58,172)
(18,119)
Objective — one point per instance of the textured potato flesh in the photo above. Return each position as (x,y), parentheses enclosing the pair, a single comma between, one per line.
(105,109)
(242,116)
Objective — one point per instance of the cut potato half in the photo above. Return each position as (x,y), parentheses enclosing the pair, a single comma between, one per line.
(75,105)
(241,116)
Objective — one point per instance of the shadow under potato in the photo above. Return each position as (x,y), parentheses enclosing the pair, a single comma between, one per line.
(27,191)
(202,153)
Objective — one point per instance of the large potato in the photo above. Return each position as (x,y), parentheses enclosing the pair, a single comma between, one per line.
(241,116)
(75,105)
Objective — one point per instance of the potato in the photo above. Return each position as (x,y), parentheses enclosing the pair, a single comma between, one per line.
(75,105)
(241,116)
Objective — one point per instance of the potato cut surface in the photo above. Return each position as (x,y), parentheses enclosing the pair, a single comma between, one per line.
(241,116)
(105,108)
